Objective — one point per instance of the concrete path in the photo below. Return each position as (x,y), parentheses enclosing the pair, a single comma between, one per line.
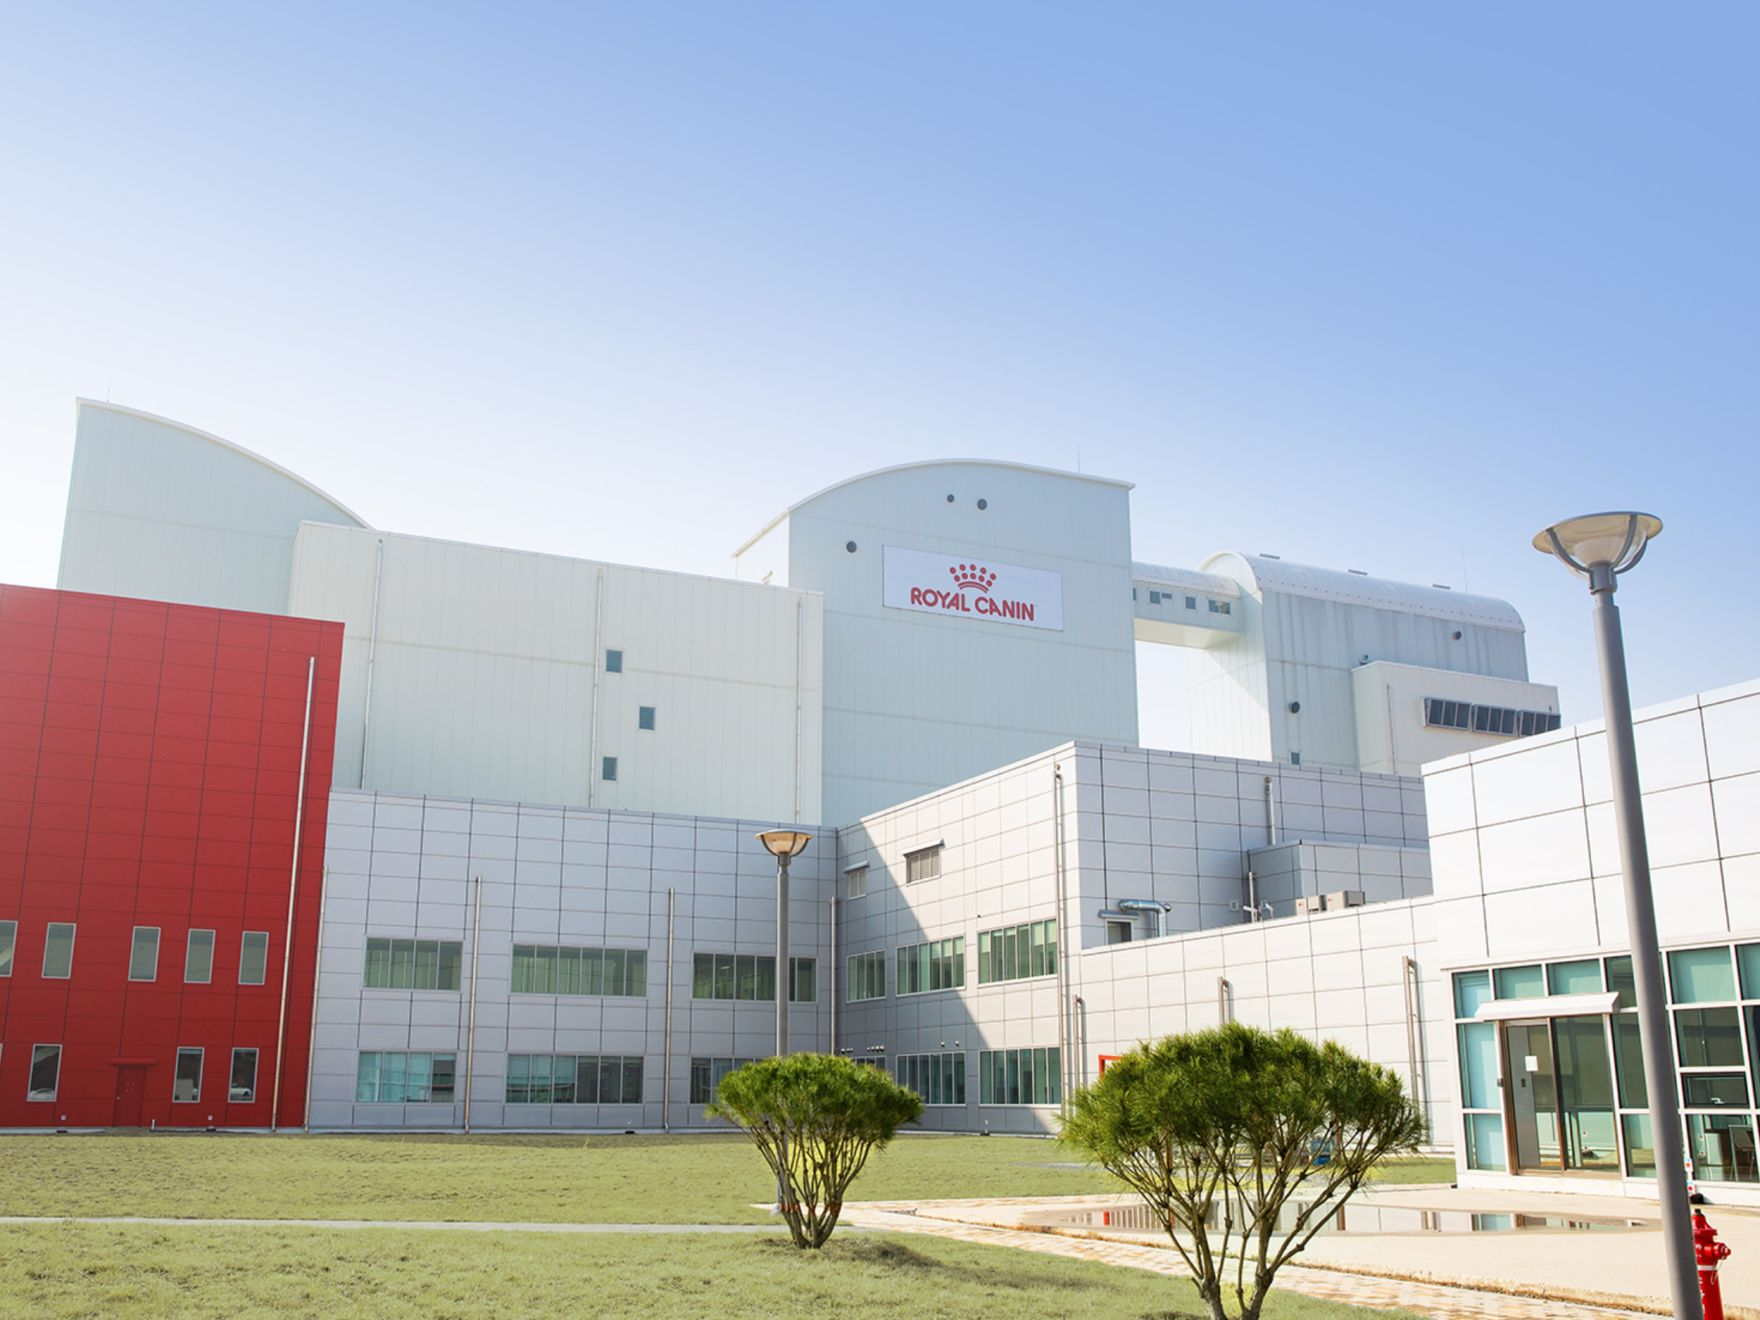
(465,1226)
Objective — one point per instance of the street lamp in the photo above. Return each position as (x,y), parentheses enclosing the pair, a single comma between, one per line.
(784,846)
(1599,547)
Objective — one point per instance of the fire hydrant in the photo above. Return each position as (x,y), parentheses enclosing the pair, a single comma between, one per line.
(1708,1251)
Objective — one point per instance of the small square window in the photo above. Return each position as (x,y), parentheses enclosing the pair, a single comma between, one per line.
(614,662)
(1154,597)
(644,717)
(242,1088)
(143,954)
(855,882)
(45,1077)
(198,958)
(58,951)
(608,769)
(1191,602)
(8,938)
(1295,758)
(186,1082)
(253,958)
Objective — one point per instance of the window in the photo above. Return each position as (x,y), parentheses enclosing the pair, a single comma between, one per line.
(198,957)
(644,717)
(1221,607)
(385,1078)
(614,662)
(1501,721)
(8,939)
(45,1072)
(936,965)
(750,976)
(58,951)
(413,964)
(706,1075)
(544,969)
(242,1087)
(1019,1077)
(1118,932)
(1154,597)
(939,1078)
(253,958)
(608,769)
(186,1082)
(143,954)
(1015,952)
(867,976)
(855,882)
(923,864)
(1191,602)
(574,1079)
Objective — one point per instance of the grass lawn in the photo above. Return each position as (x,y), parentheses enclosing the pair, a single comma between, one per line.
(69,1270)
(524,1178)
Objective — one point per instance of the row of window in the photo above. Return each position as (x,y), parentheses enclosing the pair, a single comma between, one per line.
(939,1078)
(574,1079)
(386,1077)
(1158,597)
(934,965)
(919,864)
(143,954)
(414,964)
(545,969)
(751,976)
(186,1079)
(1503,721)
(1020,1077)
(867,976)
(1016,952)
(706,1075)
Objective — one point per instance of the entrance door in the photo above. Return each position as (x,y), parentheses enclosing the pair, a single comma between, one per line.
(1533,1094)
(131,1088)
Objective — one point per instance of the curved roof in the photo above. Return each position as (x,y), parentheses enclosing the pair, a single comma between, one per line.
(1278,575)
(224,443)
(910,467)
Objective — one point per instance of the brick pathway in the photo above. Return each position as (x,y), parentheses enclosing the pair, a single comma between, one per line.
(965,1221)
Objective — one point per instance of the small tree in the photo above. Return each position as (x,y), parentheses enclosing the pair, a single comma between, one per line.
(815,1119)
(1244,1144)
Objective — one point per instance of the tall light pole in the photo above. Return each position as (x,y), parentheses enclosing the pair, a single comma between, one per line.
(784,846)
(1599,547)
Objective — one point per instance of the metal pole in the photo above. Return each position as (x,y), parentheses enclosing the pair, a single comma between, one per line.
(666,1059)
(782,986)
(1653,1025)
(299,818)
(833,977)
(470,1031)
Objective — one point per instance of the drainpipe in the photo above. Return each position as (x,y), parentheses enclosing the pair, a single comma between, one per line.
(317,974)
(800,654)
(299,820)
(470,1031)
(372,654)
(833,977)
(1271,806)
(1420,1081)
(1252,896)
(1223,993)
(1062,943)
(666,1059)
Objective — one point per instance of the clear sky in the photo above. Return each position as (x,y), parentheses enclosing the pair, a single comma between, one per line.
(1379,286)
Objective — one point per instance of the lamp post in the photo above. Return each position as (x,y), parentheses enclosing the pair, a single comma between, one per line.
(1599,547)
(784,846)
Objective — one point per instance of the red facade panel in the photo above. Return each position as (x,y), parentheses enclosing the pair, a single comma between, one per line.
(150,759)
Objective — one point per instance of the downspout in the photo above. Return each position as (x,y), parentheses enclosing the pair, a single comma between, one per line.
(833,977)
(1252,896)
(800,652)
(317,974)
(666,1059)
(1062,943)
(1223,1012)
(470,1031)
(372,654)
(299,820)
(1420,1082)
(598,670)
(1271,806)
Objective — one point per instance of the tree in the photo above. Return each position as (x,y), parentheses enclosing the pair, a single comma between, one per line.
(815,1119)
(1258,1136)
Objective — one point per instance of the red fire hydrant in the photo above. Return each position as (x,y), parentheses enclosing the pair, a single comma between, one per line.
(1708,1251)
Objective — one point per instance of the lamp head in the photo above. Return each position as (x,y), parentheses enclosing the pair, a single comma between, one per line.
(1599,546)
(784,843)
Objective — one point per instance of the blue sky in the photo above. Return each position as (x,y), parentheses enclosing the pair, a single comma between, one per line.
(1381,286)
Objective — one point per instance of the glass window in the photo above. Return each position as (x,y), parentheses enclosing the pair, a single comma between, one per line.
(58,951)
(703,976)
(1722,1147)
(855,882)
(1519,982)
(1478,1046)
(1708,1037)
(867,976)
(1470,990)
(253,958)
(923,864)
(1747,963)
(45,1072)
(608,769)
(614,662)
(8,940)
(804,987)
(1701,976)
(441,1070)
(1628,1054)
(396,1078)
(1621,980)
(1574,978)
(143,954)
(1019,1077)
(1485,1140)
(644,717)
(198,957)
(1640,1150)
(186,1083)
(1714,1090)
(242,1088)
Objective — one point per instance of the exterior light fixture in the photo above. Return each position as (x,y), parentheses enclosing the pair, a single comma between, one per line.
(1599,547)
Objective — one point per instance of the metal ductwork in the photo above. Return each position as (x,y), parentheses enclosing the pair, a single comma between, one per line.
(1129,909)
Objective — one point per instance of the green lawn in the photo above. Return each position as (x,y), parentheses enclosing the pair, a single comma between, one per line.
(74,1270)
(525,1178)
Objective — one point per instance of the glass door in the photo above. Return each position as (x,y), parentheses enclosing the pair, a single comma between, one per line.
(1561,1095)
(1533,1099)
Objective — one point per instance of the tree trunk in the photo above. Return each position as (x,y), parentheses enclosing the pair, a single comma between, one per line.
(1212,1298)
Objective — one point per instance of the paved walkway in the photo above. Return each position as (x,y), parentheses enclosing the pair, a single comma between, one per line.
(464,1226)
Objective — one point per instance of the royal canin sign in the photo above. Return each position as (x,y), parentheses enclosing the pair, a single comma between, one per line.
(967,587)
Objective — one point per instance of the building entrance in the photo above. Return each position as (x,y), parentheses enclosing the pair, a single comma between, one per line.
(131,1090)
(1560,1098)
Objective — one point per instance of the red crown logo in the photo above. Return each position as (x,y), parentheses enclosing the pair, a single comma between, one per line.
(975,576)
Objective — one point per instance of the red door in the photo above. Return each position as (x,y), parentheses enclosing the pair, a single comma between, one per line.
(131,1087)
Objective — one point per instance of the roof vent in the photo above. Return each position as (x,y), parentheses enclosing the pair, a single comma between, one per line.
(1442,586)
(1359,572)
(1266,554)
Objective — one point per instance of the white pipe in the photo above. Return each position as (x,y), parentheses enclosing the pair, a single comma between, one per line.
(470,1031)
(666,1059)
(1420,1081)
(833,976)
(598,669)
(1063,1063)
(1271,806)
(372,654)
(800,650)
(317,972)
(299,820)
